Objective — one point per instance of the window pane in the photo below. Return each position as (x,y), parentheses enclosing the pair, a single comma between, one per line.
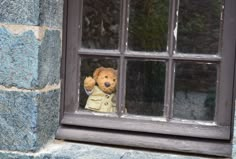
(102,96)
(148,25)
(195,91)
(199,26)
(145,87)
(100,24)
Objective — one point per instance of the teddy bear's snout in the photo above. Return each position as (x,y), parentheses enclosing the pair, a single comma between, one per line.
(107,84)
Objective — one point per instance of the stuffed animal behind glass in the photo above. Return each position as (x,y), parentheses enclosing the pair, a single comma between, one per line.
(101,90)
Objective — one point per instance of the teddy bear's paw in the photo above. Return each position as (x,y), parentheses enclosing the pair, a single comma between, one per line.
(89,83)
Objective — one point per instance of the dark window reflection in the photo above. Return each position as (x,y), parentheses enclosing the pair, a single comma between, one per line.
(148,25)
(145,87)
(88,66)
(100,24)
(195,91)
(199,26)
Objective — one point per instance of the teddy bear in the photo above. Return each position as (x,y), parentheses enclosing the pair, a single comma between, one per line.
(101,90)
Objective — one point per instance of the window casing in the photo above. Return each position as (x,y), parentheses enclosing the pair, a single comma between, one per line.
(166,132)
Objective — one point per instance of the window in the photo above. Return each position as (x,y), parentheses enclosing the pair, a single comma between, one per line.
(175,84)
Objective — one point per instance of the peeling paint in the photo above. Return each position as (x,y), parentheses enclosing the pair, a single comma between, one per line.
(151,118)
(176,30)
(197,122)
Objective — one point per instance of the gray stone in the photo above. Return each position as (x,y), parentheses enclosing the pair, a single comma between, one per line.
(68,150)
(27,119)
(48,116)
(51,13)
(15,156)
(18,113)
(152,155)
(27,63)
(49,58)
(18,59)
(35,12)
(19,11)
(81,151)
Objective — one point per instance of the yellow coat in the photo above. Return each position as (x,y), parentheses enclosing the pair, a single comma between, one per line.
(101,102)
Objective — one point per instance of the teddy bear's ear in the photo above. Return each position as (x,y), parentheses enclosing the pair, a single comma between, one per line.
(116,72)
(96,72)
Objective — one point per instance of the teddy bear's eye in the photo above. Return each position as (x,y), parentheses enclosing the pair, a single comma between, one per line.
(106,76)
(114,80)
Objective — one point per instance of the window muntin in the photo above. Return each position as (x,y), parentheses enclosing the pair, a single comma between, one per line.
(166,125)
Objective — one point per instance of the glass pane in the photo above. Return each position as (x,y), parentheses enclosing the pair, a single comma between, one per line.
(100,24)
(145,87)
(98,78)
(199,26)
(195,91)
(148,25)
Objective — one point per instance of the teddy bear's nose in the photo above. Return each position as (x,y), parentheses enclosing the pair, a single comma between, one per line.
(107,84)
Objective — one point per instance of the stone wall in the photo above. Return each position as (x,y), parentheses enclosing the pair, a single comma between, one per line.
(30,53)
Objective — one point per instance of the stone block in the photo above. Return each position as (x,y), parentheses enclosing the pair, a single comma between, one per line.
(19,12)
(27,119)
(69,150)
(49,58)
(35,12)
(48,116)
(28,63)
(51,13)
(18,59)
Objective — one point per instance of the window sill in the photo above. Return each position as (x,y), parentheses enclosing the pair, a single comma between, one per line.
(151,141)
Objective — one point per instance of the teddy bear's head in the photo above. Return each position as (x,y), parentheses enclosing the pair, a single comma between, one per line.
(106,79)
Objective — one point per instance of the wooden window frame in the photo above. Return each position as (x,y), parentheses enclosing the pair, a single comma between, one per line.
(210,138)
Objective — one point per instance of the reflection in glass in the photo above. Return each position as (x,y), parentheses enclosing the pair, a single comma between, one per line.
(145,87)
(195,91)
(199,26)
(100,24)
(148,25)
(102,96)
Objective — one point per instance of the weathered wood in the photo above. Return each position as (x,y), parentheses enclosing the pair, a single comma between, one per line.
(73,26)
(187,145)
(96,52)
(63,59)
(153,125)
(170,74)
(197,57)
(147,55)
(226,82)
